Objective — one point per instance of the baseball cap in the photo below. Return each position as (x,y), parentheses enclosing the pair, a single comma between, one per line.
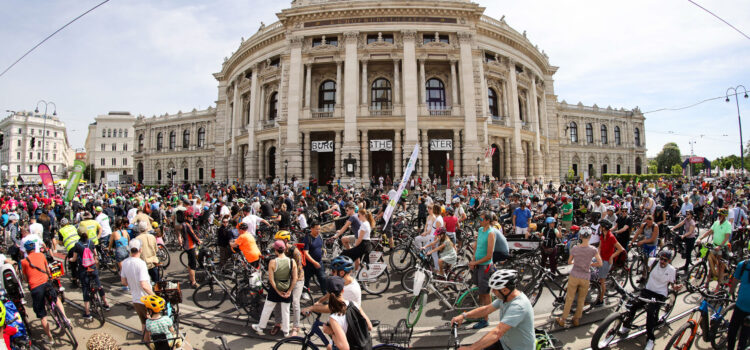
(279,245)
(135,243)
(335,284)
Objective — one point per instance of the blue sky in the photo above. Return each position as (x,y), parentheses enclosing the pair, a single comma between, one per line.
(154,57)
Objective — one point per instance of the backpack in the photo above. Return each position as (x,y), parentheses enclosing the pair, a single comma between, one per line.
(745,268)
(357,334)
(87,259)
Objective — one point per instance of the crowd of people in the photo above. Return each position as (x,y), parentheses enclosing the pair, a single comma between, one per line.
(609,219)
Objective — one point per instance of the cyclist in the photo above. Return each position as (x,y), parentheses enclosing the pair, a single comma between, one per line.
(247,245)
(690,230)
(337,326)
(609,249)
(158,325)
(516,327)
(91,227)
(650,232)
(742,307)
(660,275)
(36,270)
(134,274)
(579,280)
(83,275)
(482,267)
(549,236)
(722,231)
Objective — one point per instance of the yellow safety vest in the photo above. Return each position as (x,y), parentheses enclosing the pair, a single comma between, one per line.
(69,236)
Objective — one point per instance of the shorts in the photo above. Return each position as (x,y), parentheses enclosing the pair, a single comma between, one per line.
(39,299)
(648,250)
(192,260)
(104,241)
(499,257)
(140,309)
(121,253)
(357,251)
(351,238)
(83,277)
(566,224)
(521,230)
(604,270)
(480,277)
(452,236)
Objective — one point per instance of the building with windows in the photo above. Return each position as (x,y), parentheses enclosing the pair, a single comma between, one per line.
(182,143)
(29,139)
(109,147)
(362,82)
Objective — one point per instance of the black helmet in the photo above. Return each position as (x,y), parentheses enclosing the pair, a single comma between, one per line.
(606,224)
(666,253)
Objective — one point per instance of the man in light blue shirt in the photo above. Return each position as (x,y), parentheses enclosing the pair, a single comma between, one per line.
(686,205)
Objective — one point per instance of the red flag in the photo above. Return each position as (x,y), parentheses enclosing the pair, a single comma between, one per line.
(46,177)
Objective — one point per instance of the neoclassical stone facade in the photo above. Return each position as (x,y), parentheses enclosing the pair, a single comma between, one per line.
(182,142)
(363,82)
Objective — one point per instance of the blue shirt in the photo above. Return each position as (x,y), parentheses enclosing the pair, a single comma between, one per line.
(522,217)
(314,247)
(742,274)
(501,244)
(519,315)
(482,240)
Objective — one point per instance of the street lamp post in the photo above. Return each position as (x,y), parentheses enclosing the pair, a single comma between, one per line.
(739,121)
(286,165)
(479,161)
(44,130)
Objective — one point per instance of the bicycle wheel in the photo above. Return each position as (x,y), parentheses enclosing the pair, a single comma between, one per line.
(294,343)
(592,296)
(209,295)
(56,322)
(184,259)
(163,254)
(683,337)
(697,277)
(407,280)
(607,332)
(535,293)
(96,308)
(620,277)
(459,274)
(374,285)
(401,259)
(720,328)
(415,309)
(68,328)
(636,272)
(666,309)
(468,300)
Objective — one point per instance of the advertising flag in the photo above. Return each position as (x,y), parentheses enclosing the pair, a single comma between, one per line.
(396,196)
(75,178)
(47,180)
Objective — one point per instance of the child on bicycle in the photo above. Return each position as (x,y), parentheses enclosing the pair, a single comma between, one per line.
(157,325)
(446,249)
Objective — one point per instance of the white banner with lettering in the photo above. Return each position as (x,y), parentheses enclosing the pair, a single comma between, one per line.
(381,145)
(393,200)
(441,145)
(322,146)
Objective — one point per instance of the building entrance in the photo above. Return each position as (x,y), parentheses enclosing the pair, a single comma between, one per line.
(441,146)
(381,156)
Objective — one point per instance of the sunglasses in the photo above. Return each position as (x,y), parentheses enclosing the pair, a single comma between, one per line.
(664,259)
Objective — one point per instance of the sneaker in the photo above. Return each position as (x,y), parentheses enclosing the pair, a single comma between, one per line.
(125,288)
(257,329)
(286,334)
(481,324)
(87,317)
(305,297)
(649,345)
(106,307)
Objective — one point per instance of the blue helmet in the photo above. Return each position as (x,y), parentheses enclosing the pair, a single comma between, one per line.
(29,246)
(550,220)
(342,263)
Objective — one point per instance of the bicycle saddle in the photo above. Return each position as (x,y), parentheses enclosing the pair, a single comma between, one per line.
(376,323)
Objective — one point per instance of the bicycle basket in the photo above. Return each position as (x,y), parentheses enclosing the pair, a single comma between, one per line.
(544,341)
(169,290)
(400,334)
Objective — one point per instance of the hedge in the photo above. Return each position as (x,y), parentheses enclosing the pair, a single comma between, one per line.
(642,177)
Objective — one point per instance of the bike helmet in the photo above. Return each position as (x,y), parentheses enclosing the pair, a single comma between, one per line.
(29,246)
(2,314)
(64,222)
(154,303)
(503,279)
(606,224)
(723,211)
(283,234)
(550,220)
(342,263)
(585,232)
(611,208)
(666,253)
(155,224)
(575,228)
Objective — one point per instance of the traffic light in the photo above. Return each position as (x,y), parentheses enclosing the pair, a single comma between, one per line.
(33,142)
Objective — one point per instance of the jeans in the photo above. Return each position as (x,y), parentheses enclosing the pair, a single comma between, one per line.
(652,312)
(689,245)
(154,274)
(296,295)
(735,325)
(319,274)
(84,277)
(580,287)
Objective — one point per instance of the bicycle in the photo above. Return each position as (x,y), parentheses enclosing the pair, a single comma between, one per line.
(108,261)
(96,306)
(715,313)
(306,343)
(58,320)
(545,278)
(373,277)
(163,254)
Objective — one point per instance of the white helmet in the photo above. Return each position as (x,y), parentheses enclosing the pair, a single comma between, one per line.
(503,279)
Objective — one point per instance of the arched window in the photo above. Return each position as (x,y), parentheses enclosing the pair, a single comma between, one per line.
(201,137)
(104,133)
(273,106)
(435,94)
(327,96)
(573,132)
(186,138)
(637,134)
(492,99)
(617,136)
(172,139)
(381,94)
(589,133)
(604,134)
(119,133)
(140,143)
(159,141)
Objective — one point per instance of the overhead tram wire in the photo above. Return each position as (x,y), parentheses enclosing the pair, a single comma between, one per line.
(689,106)
(51,35)
(719,18)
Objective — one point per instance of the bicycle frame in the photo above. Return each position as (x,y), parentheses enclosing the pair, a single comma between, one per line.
(430,286)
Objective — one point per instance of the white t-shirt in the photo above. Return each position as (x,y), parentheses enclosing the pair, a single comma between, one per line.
(252,223)
(32,237)
(660,278)
(340,319)
(103,221)
(302,221)
(365,226)
(134,270)
(353,293)
(224,211)
(131,214)
(595,237)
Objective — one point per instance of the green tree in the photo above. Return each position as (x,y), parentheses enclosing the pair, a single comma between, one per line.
(676,169)
(90,169)
(668,157)
(652,169)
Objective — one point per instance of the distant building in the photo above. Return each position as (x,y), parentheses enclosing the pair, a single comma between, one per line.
(81,156)
(109,147)
(30,139)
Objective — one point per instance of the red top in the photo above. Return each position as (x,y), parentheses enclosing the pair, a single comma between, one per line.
(35,277)
(607,245)
(451,223)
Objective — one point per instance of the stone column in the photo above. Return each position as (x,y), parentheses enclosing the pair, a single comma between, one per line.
(338,167)
(252,125)
(396,83)
(397,151)
(261,160)
(307,165)
(472,149)
(291,150)
(365,148)
(351,82)
(425,161)
(422,83)
(363,99)
(457,151)
(516,148)
(454,86)
(338,83)
(262,109)
(308,83)
(506,158)
(236,107)
(411,98)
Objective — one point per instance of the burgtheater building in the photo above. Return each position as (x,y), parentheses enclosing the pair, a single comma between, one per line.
(348,88)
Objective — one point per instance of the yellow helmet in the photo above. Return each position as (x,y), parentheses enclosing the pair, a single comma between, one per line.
(155,224)
(154,303)
(283,234)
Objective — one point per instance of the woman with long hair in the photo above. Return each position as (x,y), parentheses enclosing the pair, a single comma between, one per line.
(362,242)
(337,325)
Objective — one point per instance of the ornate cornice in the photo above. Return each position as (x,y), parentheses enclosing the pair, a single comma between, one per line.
(409,34)
(351,37)
(296,41)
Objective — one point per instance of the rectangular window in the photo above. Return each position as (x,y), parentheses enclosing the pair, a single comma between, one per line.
(31,169)
(114,147)
(317,42)
(185,174)
(429,38)
(55,133)
(54,168)
(114,161)
(18,168)
(32,131)
(20,131)
(31,155)
(103,147)
(488,57)
(39,143)
(54,156)
(124,146)
(124,161)
(18,155)
(47,132)
(46,156)
(101,162)
(575,170)
(19,142)
(275,62)
(158,175)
